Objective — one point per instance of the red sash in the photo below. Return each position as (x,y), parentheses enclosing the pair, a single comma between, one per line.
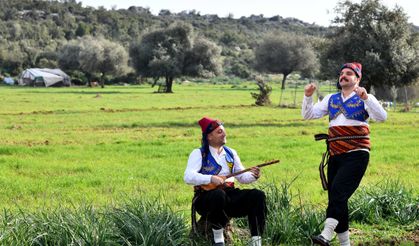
(346,138)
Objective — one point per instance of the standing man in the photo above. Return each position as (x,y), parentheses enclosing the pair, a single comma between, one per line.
(210,164)
(348,142)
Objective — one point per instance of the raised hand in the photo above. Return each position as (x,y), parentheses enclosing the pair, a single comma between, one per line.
(309,89)
(361,92)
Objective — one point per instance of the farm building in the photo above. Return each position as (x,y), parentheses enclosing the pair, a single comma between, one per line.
(44,77)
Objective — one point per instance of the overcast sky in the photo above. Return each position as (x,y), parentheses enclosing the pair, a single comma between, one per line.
(320,12)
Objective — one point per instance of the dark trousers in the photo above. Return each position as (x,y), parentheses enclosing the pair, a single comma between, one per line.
(221,204)
(344,174)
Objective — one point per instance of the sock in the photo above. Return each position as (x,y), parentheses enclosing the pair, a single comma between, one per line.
(344,239)
(256,241)
(329,228)
(218,235)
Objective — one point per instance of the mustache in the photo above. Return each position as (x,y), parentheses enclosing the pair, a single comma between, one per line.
(343,78)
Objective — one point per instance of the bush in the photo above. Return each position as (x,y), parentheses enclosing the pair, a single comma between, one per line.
(148,223)
(287,223)
(83,226)
(389,200)
(136,223)
(262,98)
(240,70)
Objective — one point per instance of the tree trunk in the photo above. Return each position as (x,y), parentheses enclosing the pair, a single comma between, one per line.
(406,100)
(89,79)
(283,81)
(169,83)
(155,81)
(102,81)
(394,90)
(282,87)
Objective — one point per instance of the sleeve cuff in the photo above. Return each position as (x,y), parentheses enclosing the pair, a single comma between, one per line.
(208,180)
(308,99)
(366,100)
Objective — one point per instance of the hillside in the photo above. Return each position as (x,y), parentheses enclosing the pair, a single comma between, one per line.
(34,30)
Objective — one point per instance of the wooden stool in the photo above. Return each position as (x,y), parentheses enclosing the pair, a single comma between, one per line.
(202,227)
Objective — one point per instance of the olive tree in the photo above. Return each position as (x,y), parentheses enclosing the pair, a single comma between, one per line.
(285,53)
(94,56)
(379,38)
(203,60)
(173,52)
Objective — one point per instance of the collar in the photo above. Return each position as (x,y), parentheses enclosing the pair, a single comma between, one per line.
(346,98)
(214,151)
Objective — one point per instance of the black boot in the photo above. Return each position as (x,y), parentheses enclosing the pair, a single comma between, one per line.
(320,240)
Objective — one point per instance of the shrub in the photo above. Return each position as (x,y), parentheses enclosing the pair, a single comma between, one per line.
(145,223)
(288,223)
(389,200)
(83,226)
(262,98)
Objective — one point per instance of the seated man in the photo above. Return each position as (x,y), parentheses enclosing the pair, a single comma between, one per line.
(209,165)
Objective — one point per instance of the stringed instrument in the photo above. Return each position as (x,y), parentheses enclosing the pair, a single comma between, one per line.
(212,186)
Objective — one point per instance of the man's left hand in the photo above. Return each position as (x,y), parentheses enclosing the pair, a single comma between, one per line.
(255,172)
(361,92)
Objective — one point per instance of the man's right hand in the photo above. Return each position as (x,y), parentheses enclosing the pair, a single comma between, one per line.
(217,180)
(309,89)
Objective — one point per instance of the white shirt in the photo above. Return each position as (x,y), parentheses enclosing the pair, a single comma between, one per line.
(320,109)
(193,177)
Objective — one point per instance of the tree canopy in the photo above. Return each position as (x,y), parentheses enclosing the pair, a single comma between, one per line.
(285,53)
(95,57)
(377,37)
(172,52)
(36,29)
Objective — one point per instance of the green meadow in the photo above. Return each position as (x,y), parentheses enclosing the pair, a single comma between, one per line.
(64,147)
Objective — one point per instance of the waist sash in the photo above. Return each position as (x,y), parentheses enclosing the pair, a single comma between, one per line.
(346,138)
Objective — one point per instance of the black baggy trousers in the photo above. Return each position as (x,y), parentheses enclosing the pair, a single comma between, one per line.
(221,204)
(344,174)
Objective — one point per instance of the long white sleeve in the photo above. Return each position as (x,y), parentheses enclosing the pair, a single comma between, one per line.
(374,109)
(318,110)
(192,175)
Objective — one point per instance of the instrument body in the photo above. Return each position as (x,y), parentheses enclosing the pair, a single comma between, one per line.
(212,186)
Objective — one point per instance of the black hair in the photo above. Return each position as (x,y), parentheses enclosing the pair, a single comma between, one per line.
(204,142)
(204,145)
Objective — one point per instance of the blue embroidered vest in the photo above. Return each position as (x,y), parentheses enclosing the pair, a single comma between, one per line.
(353,108)
(211,167)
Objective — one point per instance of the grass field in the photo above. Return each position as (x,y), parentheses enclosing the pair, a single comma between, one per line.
(70,146)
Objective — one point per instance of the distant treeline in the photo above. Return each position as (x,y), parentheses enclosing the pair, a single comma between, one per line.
(38,33)
(32,30)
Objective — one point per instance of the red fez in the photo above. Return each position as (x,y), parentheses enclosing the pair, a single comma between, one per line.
(208,125)
(354,66)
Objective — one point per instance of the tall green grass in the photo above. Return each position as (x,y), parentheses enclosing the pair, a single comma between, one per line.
(388,201)
(137,222)
(289,221)
(148,221)
(82,226)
